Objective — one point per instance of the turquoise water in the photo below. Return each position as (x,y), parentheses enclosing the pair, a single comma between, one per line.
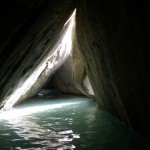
(68,123)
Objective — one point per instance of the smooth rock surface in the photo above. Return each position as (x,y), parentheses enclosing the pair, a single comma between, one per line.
(72,77)
(32,31)
(113,38)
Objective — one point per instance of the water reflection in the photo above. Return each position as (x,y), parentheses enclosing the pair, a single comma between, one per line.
(78,126)
(47,132)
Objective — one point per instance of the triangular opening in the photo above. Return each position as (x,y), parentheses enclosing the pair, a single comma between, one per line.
(45,69)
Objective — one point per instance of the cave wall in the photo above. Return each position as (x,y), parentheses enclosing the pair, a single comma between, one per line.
(111,37)
(29,30)
(63,80)
(72,77)
(80,76)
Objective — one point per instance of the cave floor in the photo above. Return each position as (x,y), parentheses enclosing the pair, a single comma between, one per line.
(64,123)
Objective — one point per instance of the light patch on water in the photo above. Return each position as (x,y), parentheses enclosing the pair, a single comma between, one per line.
(47,132)
(91,128)
(16,113)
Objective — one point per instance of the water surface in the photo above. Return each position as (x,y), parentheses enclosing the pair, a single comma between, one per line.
(64,124)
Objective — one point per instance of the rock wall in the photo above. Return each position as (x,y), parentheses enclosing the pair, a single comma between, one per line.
(80,77)
(29,30)
(63,78)
(72,76)
(111,38)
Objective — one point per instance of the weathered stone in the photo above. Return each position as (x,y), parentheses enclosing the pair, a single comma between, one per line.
(72,77)
(35,32)
(63,78)
(113,38)
(80,76)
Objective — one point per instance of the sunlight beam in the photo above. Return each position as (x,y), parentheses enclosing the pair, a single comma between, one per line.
(45,67)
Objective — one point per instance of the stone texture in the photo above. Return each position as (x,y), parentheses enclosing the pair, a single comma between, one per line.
(80,76)
(29,31)
(113,37)
(72,76)
(63,78)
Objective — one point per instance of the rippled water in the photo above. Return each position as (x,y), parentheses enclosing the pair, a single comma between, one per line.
(64,124)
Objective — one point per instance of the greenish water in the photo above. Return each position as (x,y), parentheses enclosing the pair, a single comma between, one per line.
(64,124)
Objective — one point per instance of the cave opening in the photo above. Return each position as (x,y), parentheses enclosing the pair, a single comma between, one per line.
(47,68)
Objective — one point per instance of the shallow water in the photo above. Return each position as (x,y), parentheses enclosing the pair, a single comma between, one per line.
(64,124)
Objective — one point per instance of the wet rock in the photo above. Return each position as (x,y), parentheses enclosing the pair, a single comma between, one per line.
(112,38)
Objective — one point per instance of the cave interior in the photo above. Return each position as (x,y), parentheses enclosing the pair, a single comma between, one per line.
(109,59)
